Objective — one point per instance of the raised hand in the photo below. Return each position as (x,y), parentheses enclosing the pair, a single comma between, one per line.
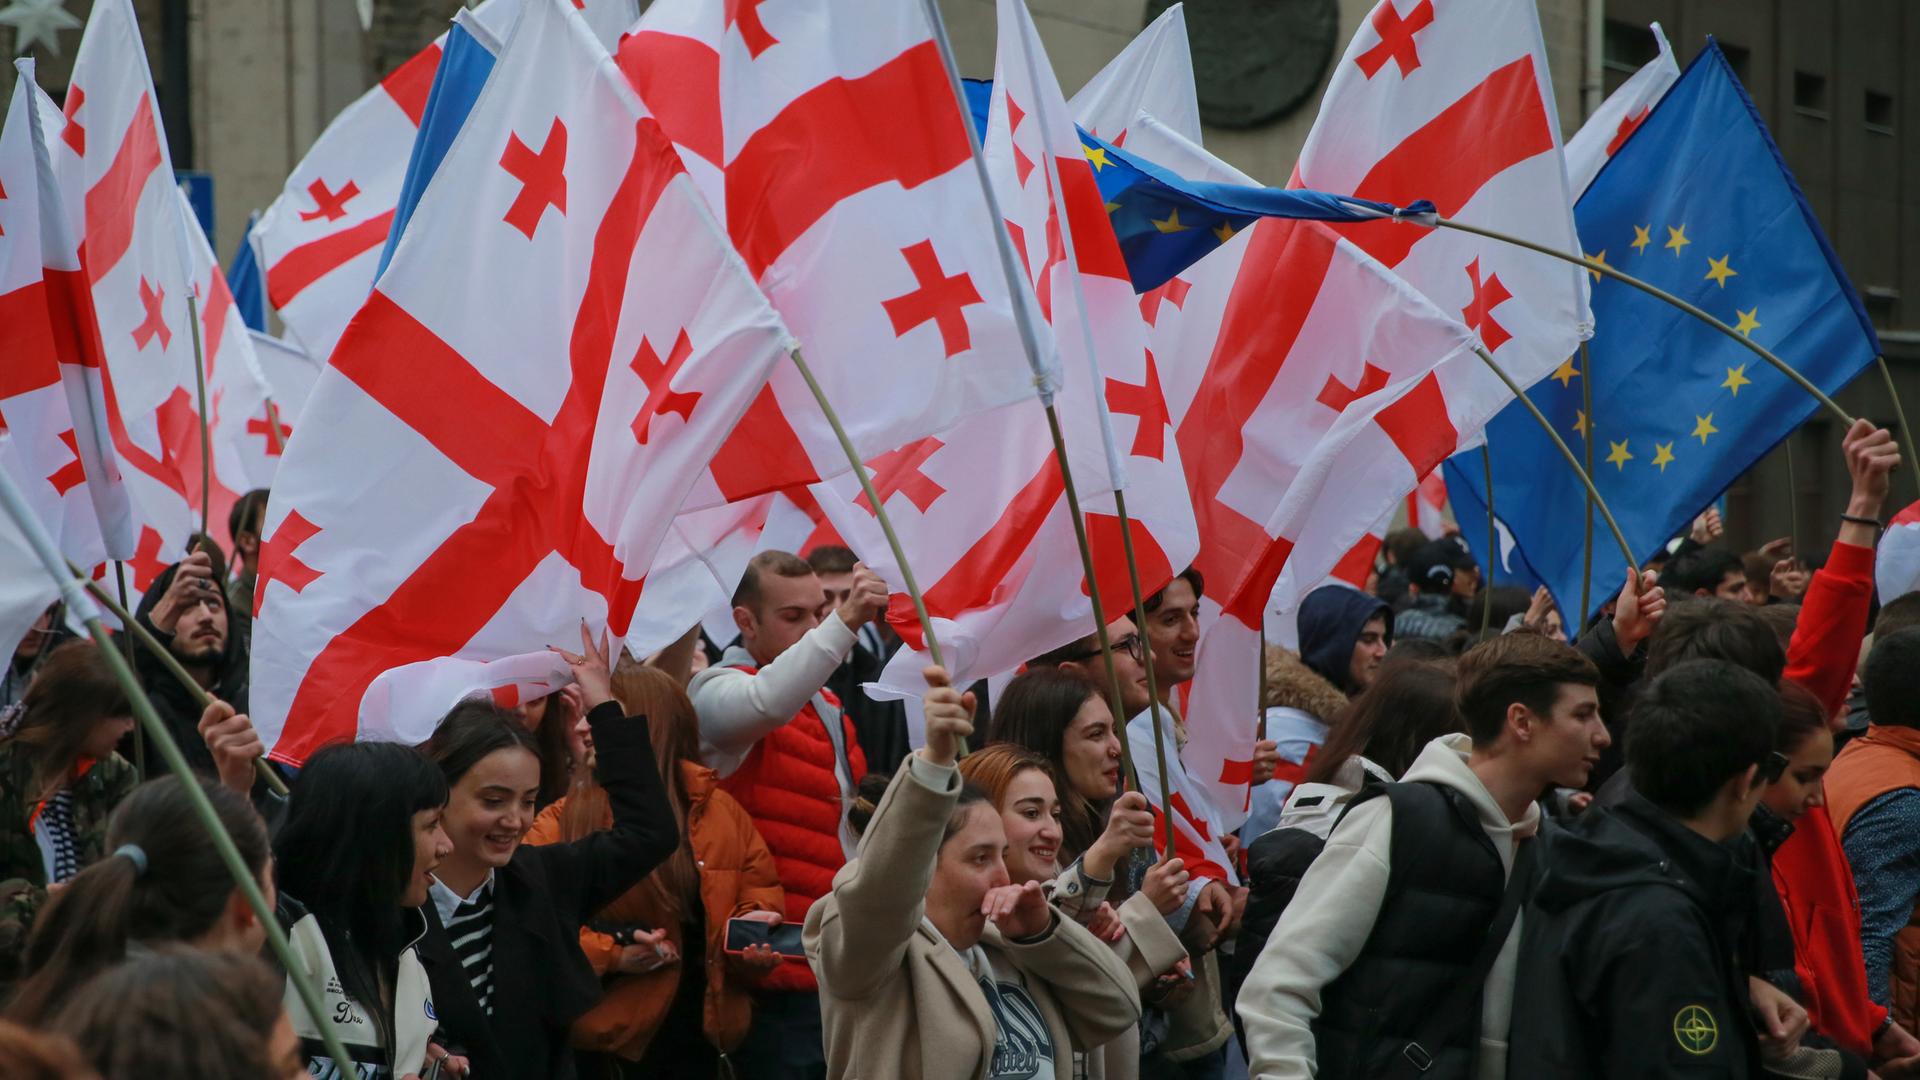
(1018,911)
(1638,610)
(192,584)
(949,715)
(1129,826)
(866,599)
(1165,886)
(1707,527)
(234,743)
(1871,455)
(592,668)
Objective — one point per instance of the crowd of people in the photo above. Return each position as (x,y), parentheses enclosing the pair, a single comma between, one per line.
(1680,838)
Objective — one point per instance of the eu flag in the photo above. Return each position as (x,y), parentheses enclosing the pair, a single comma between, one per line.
(1166,223)
(1699,203)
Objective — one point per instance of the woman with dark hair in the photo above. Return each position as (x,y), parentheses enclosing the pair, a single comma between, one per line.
(551,721)
(208,1015)
(1061,716)
(501,906)
(931,963)
(59,779)
(161,884)
(1809,949)
(354,862)
(674,1001)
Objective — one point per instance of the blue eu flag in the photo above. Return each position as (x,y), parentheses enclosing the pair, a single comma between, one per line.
(1166,223)
(1699,203)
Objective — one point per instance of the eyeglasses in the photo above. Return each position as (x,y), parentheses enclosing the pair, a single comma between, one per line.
(1131,645)
(1773,767)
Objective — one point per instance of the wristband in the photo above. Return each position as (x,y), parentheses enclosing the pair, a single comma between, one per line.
(1872,523)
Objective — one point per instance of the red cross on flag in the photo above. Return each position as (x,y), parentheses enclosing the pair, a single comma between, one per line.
(826,137)
(1617,117)
(981,508)
(466,483)
(120,196)
(39,441)
(1311,389)
(320,240)
(1452,102)
(1154,72)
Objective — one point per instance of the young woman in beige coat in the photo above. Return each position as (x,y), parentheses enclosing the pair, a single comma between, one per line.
(932,966)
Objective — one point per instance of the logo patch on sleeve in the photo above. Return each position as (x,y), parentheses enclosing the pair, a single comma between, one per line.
(1695,1030)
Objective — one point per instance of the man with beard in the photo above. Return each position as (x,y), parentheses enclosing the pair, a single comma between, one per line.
(186,610)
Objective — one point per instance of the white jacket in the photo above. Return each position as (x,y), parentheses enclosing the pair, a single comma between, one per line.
(413,1020)
(1332,914)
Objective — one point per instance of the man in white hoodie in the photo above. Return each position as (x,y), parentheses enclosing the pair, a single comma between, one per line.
(1366,969)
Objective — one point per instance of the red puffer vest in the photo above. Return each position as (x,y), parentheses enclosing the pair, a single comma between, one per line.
(788,787)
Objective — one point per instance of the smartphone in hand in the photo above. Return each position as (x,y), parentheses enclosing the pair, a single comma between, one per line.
(742,934)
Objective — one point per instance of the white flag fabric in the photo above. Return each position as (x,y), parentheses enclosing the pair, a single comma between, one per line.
(1153,73)
(500,440)
(1452,102)
(320,240)
(981,509)
(1303,376)
(290,371)
(827,138)
(39,446)
(117,190)
(1607,130)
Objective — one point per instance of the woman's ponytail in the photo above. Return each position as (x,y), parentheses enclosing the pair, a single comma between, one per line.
(163,882)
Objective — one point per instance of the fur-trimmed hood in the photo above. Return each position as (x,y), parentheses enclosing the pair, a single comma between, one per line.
(1291,684)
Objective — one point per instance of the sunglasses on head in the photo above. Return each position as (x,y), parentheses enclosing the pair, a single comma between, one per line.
(1773,767)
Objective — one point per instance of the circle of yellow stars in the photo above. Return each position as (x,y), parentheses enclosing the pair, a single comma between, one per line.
(1719,270)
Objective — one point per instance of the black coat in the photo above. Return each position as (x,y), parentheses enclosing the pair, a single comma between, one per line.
(1631,953)
(176,706)
(541,980)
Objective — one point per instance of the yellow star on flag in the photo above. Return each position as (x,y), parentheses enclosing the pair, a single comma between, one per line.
(1642,236)
(1112,206)
(1097,155)
(1601,259)
(1618,456)
(1736,378)
(1703,427)
(1663,455)
(1580,423)
(1566,373)
(1676,239)
(1171,224)
(1718,271)
(1224,232)
(1748,324)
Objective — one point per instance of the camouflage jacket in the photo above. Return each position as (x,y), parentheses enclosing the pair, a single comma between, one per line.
(23,875)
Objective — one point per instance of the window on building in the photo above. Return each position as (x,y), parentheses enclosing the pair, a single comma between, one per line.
(1810,94)
(1626,47)
(1879,113)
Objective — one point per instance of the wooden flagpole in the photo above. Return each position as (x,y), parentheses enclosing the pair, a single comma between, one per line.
(172,663)
(126,643)
(200,386)
(1017,288)
(1661,294)
(1573,462)
(879,512)
(1146,661)
(74,588)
